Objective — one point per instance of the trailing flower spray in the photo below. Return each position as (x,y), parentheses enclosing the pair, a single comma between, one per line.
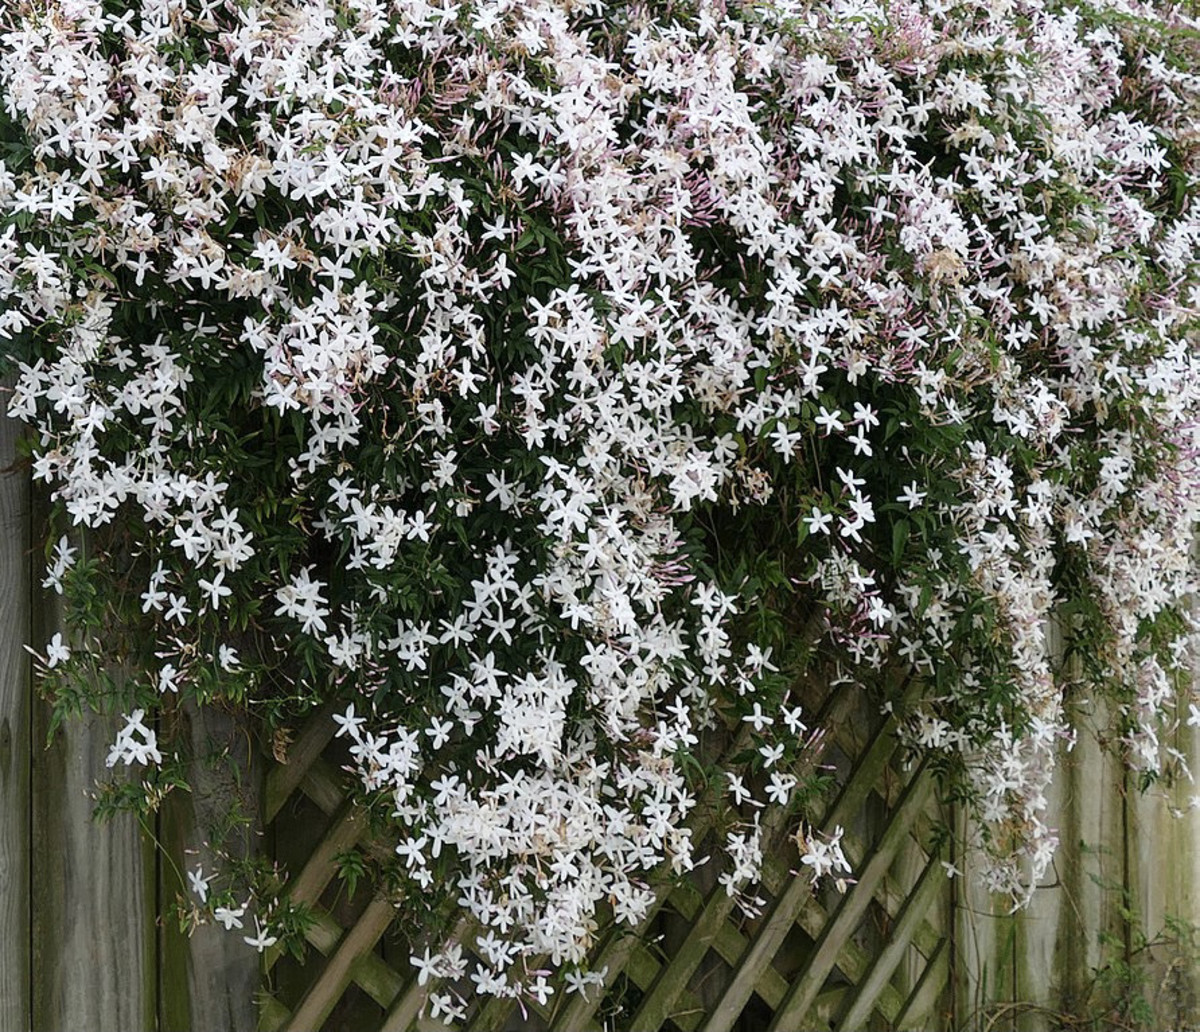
(530,377)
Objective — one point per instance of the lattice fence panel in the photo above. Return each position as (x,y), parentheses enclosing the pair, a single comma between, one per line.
(875,957)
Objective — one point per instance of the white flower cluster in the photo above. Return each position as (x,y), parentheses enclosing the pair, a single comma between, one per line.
(136,743)
(451,329)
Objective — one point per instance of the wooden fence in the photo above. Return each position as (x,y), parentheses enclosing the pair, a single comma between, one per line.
(86,943)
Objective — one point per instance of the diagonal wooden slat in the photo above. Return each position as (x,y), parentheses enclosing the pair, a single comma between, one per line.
(730,944)
(669,997)
(285,778)
(644,969)
(848,915)
(673,980)
(854,961)
(825,1006)
(406,1008)
(381,982)
(324,993)
(930,986)
(770,985)
(932,881)
(403,1014)
(618,947)
(271,1013)
(615,956)
(321,783)
(579,1011)
(308,885)
(793,898)
(659,1001)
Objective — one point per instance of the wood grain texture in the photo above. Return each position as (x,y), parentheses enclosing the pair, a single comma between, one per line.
(94,942)
(1125,868)
(93,956)
(1163,858)
(14,735)
(867,992)
(208,981)
(788,906)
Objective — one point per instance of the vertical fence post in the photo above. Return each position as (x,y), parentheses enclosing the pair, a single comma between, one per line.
(1163,878)
(94,947)
(209,980)
(14,733)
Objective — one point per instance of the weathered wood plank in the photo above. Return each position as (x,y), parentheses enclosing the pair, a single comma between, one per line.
(272,1014)
(207,980)
(307,886)
(15,742)
(381,982)
(616,948)
(405,1012)
(94,940)
(673,980)
(1163,874)
(730,944)
(1045,955)
(1056,938)
(323,784)
(853,961)
(700,939)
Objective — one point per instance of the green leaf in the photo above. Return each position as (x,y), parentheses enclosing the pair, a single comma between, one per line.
(900,531)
